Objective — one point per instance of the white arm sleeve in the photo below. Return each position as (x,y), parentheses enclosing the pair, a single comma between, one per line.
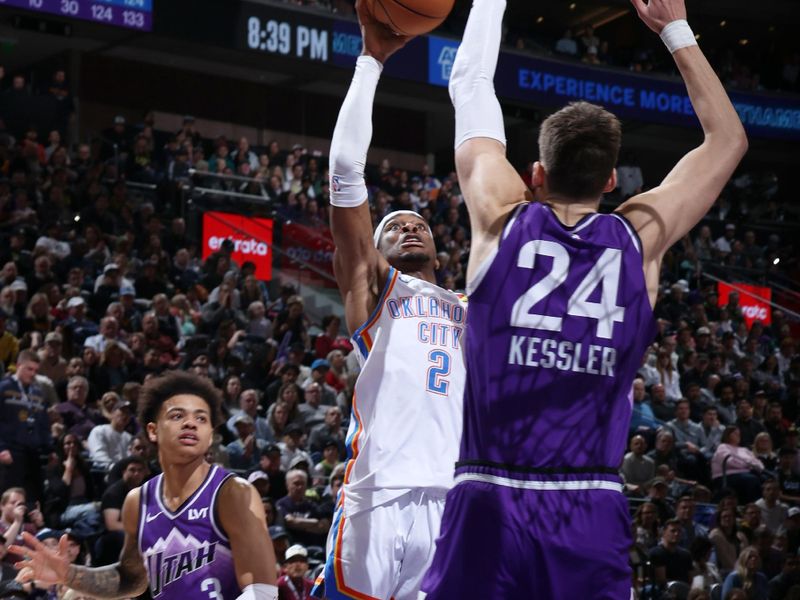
(259,591)
(352,135)
(478,112)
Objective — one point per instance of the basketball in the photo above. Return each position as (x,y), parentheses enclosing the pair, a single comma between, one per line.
(410,17)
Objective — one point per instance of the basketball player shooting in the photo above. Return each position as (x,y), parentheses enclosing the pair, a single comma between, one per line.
(408,332)
(560,315)
(195,531)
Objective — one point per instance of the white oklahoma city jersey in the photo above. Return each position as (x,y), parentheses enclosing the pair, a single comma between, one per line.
(406,422)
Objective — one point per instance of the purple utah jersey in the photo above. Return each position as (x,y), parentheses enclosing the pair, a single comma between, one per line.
(185,552)
(559,321)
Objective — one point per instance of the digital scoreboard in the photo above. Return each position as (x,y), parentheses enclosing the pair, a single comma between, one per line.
(132,14)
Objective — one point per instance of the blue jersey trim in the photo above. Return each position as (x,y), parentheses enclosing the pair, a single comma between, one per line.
(358,335)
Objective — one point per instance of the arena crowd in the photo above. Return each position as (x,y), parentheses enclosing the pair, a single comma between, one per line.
(101,290)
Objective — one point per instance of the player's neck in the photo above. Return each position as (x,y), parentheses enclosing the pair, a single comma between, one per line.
(424,274)
(181,480)
(570,211)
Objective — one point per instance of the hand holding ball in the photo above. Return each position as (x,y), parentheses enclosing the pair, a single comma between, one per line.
(410,17)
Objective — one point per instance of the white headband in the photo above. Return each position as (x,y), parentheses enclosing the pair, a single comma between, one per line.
(379,229)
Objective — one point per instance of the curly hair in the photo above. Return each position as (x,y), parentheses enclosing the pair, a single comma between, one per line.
(173,383)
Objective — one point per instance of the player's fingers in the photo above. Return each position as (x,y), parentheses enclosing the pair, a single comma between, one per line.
(640,6)
(21,550)
(31,541)
(25,575)
(62,545)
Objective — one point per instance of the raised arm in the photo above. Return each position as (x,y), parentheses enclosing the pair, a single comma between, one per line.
(360,269)
(491,186)
(241,515)
(124,579)
(666,213)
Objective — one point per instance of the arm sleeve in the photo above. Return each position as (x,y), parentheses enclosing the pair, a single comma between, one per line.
(478,112)
(352,136)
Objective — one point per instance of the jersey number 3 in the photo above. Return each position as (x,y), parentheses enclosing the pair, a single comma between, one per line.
(605,271)
(438,371)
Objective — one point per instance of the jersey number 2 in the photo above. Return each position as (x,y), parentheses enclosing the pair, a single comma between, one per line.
(605,271)
(439,369)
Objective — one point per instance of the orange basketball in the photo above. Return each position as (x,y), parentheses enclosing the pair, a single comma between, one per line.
(410,17)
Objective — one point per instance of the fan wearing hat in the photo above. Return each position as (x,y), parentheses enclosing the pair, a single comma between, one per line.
(294,584)
(245,450)
(292,448)
(109,443)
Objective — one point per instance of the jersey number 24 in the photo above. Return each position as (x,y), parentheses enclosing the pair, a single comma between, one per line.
(605,271)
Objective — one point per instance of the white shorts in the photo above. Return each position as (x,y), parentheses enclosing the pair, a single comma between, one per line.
(382,553)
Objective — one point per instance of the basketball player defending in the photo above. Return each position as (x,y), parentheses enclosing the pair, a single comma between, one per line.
(560,315)
(195,531)
(403,438)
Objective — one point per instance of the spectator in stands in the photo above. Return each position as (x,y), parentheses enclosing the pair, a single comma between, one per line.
(324,342)
(762,449)
(787,479)
(313,413)
(331,428)
(243,153)
(747,576)
(245,450)
(294,584)
(645,525)
(748,426)
(637,468)
(301,515)
(79,419)
(16,518)
(670,561)
(727,539)
(109,545)
(330,461)
(779,587)
(567,45)
(109,443)
(690,530)
(706,574)
(248,405)
(291,446)
(664,452)
(292,322)
(741,467)
(773,511)
(69,493)
(712,431)
(688,441)
(24,426)
(319,374)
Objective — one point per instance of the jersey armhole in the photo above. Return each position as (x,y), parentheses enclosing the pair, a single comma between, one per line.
(475,282)
(634,235)
(215,524)
(361,337)
(142,513)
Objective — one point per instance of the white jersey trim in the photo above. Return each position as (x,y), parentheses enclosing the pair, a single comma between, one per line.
(473,283)
(188,502)
(634,237)
(520,484)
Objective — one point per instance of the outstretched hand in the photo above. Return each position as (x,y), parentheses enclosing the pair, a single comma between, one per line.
(380,42)
(46,566)
(657,13)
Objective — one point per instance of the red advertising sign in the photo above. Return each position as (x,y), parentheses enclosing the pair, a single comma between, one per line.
(753,299)
(251,237)
(309,245)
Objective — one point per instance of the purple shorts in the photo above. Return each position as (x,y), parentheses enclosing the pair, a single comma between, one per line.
(501,542)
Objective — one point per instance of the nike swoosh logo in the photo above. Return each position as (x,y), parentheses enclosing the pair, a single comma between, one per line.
(149,517)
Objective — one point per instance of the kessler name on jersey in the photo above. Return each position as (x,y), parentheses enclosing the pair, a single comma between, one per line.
(530,351)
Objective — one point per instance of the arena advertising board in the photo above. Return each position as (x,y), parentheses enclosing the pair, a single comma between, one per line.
(251,237)
(535,80)
(309,245)
(754,300)
(132,14)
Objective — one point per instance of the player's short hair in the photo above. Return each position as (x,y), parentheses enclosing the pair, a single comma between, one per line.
(173,383)
(578,148)
(28,356)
